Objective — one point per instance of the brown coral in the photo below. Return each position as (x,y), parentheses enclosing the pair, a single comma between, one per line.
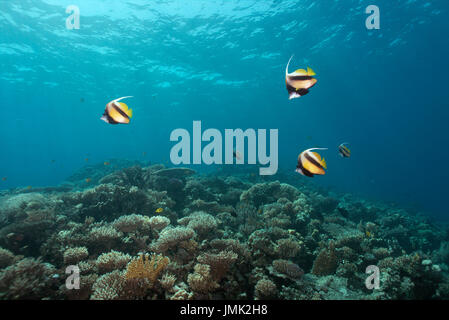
(146,267)
(220,263)
(201,280)
(265,288)
(288,268)
(326,261)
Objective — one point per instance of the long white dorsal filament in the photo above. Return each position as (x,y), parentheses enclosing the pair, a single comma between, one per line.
(286,69)
(116,100)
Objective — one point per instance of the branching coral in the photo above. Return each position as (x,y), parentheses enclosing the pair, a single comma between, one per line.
(170,237)
(326,261)
(159,222)
(105,236)
(202,223)
(220,263)
(6,258)
(26,279)
(75,255)
(265,289)
(288,248)
(146,267)
(201,280)
(109,286)
(112,260)
(225,237)
(132,223)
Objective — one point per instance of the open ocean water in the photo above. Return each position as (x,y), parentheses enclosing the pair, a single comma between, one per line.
(161,202)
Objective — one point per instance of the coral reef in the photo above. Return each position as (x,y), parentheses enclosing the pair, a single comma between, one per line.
(225,235)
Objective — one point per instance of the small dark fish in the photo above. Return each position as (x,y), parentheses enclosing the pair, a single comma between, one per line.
(344,150)
(82,100)
(4,178)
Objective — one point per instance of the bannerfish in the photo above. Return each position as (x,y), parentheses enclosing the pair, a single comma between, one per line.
(117,112)
(236,155)
(344,150)
(299,82)
(310,163)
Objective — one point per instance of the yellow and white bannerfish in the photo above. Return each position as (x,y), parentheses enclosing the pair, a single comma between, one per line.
(344,150)
(299,82)
(117,112)
(310,163)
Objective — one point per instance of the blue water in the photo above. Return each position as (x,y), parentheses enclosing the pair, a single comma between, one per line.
(222,62)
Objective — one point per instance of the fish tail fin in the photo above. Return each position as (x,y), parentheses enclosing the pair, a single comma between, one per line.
(324,164)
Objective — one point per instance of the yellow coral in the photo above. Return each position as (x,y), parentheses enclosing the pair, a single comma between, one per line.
(146,267)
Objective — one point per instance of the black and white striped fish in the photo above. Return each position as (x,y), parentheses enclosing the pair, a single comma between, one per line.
(299,82)
(310,163)
(117,112)
(344,150)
